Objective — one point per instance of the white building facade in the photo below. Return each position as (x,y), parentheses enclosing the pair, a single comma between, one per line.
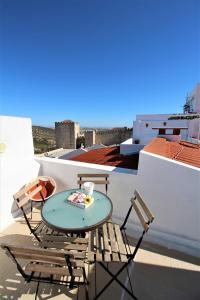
(174,127)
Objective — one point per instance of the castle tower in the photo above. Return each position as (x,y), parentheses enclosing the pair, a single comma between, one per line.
(89,138)
(66,133)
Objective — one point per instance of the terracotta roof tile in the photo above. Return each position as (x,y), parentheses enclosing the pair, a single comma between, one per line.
(109,156)
(183,151)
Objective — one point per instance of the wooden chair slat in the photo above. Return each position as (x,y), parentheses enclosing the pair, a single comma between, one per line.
(65,246)
(48,259)
(65,239)
(94,181)
(140,216)
(98,245)
(24,189)
(145,208)
(40,251)
(30,267)
(40,228)
(93,175)
(26,198)
(122,249)
(91,257)
(107,251)
(114,246)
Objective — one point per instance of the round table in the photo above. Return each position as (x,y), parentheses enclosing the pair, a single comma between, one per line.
(62,216)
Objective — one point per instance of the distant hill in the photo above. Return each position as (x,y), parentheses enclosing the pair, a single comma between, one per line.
(43,139)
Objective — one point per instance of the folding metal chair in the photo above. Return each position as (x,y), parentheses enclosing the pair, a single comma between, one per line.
(99,179)
(109,244)
(22,199)
(49,266)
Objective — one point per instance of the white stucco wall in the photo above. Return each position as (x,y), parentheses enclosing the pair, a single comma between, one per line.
(146,134)
(128,148)
(172,190)
(194,128)
(17,164)
(194,101)
(120,190)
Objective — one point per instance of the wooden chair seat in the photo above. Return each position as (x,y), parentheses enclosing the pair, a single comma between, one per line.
(78,246)
(107,244)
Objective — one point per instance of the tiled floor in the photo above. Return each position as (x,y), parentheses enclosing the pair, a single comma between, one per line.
(158,273)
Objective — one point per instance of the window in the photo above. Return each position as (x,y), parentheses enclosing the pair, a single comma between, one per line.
(176,131)
(161,131)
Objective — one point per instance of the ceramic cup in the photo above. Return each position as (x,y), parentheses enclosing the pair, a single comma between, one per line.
(88,187)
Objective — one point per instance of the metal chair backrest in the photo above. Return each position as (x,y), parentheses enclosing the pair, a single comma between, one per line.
(43,261)
(99,179)
(23,196)
(144,215)
(142,211)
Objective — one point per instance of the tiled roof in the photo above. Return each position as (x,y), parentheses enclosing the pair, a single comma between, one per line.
(186,152)
(109,156)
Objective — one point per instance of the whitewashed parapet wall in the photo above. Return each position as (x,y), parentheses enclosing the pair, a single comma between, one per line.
(128,148)
(17,164)
(120,189)
(172,190)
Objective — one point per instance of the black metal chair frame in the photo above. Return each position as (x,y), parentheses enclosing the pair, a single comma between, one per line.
(49,279)
(132,255)
(23,192)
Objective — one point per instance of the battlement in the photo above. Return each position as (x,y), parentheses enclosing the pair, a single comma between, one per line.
(114,130)
(66,123)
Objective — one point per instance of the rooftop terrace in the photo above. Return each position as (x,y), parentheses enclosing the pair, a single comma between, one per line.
(158,273)
(169,187)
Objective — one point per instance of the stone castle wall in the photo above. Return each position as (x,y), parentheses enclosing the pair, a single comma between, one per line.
(67,134)
(112,136)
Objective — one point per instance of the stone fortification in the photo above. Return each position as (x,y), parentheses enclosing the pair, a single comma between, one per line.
(112,136)
(66,133)
(90,138)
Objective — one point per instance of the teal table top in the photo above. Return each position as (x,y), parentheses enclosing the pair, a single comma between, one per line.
(60,215)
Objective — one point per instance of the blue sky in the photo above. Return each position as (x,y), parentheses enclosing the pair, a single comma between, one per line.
(99,62)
